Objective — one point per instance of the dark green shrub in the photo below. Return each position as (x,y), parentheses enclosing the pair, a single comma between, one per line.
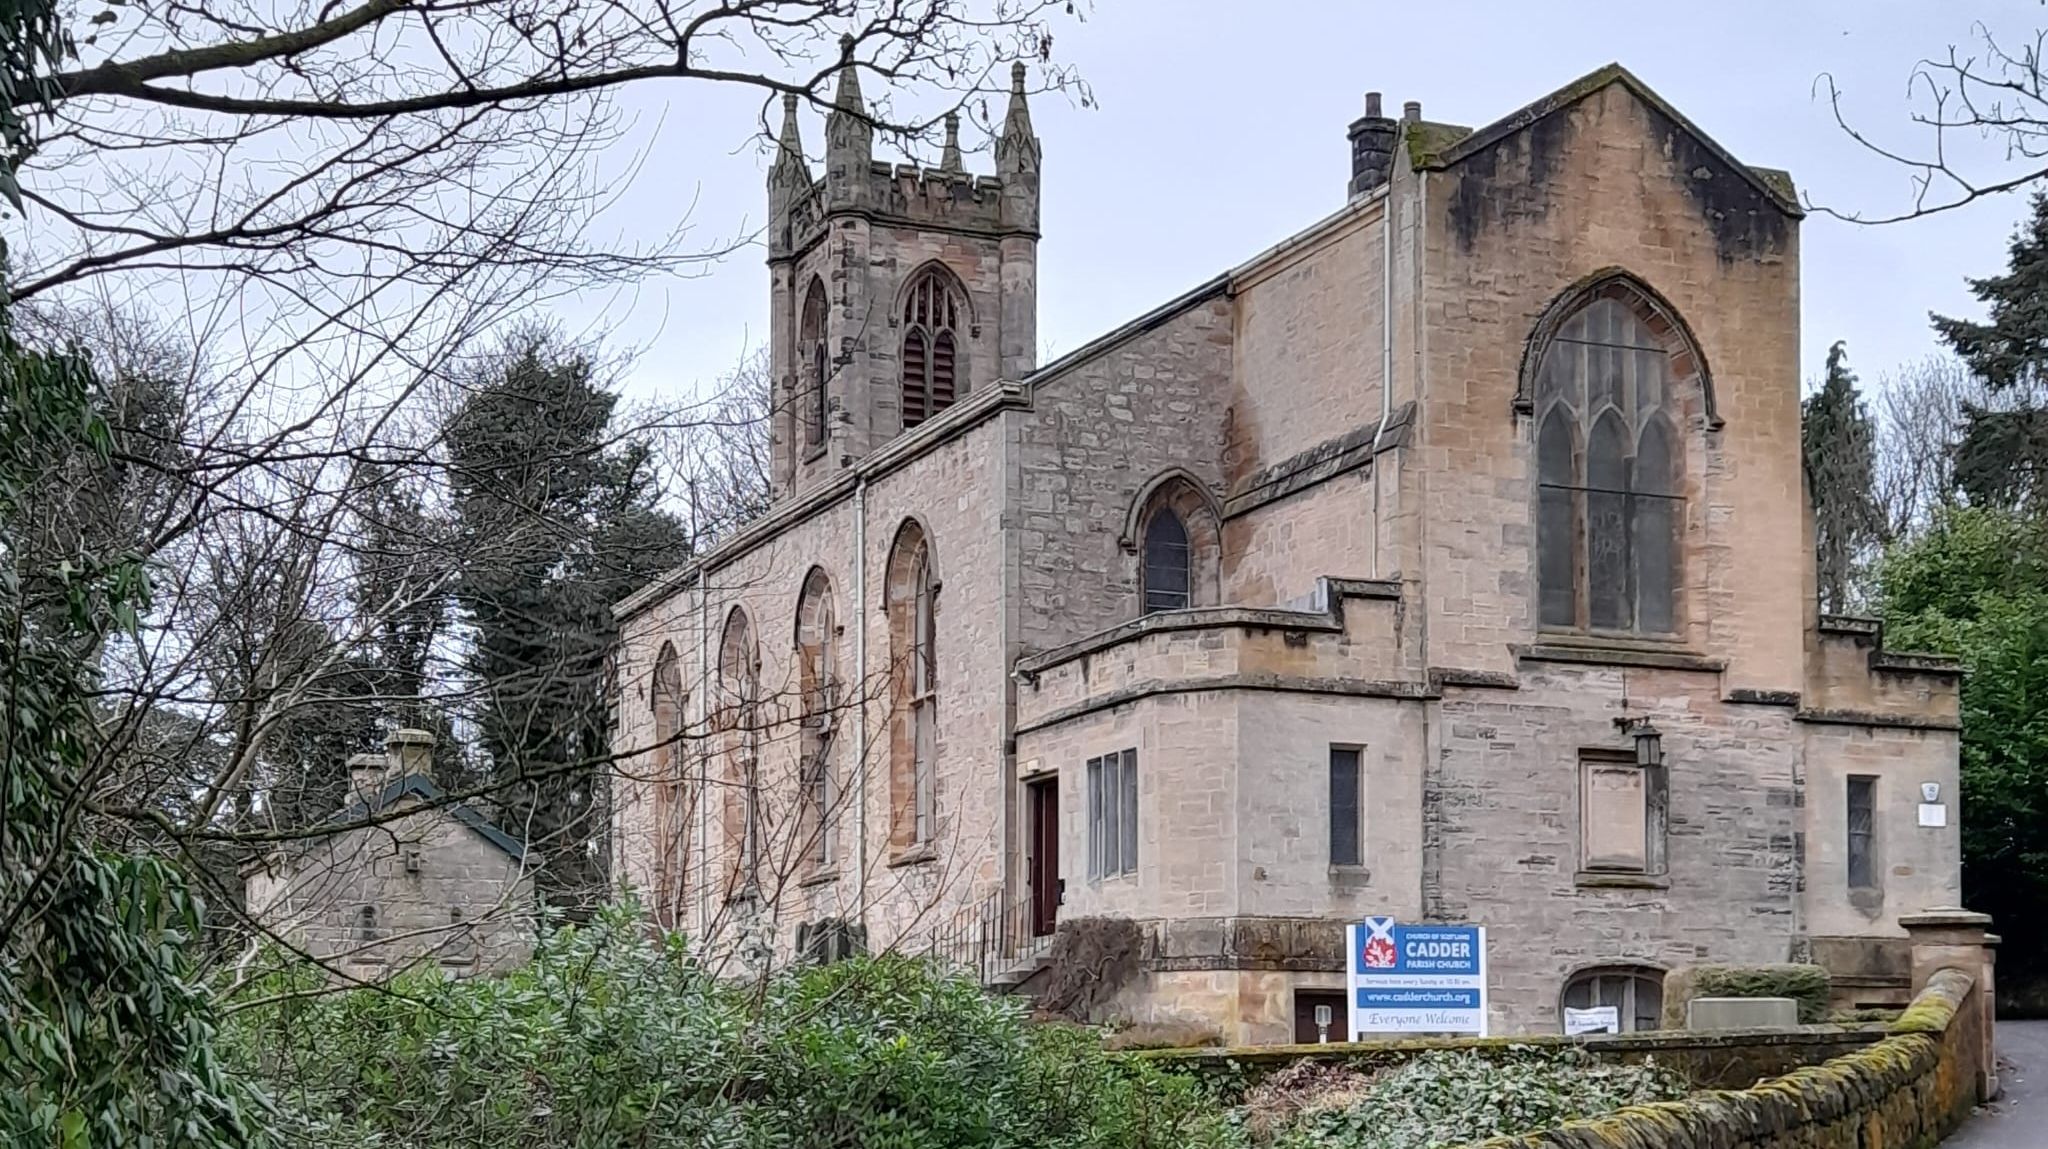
(611,1039)
(1803,983)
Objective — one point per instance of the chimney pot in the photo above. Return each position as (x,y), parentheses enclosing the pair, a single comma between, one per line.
(1372,104)
(365,776)
(1411,111)
(408,751)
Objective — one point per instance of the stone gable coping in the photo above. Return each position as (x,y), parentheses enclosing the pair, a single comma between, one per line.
(1440,149)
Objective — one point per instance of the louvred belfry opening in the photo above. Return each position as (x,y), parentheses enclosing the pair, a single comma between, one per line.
(931,375)
(915,368)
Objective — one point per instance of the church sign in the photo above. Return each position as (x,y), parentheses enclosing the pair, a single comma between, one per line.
(1416,979)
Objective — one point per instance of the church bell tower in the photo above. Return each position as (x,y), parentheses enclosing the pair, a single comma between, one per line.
(896,292)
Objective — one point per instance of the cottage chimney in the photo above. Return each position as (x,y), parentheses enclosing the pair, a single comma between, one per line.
(366,777)
(408,752)
(1372,148)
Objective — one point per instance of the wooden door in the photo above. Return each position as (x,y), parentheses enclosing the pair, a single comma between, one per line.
(1043,853)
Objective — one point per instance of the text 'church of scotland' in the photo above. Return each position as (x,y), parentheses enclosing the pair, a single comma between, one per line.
(1450,561)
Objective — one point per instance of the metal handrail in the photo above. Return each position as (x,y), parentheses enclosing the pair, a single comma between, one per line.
(986,938)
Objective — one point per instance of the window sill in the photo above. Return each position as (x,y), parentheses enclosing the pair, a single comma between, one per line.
(1611,880)
(1117,878)
(914,856)
(813,454)
(1350,877)
(1583,648)
(823,877)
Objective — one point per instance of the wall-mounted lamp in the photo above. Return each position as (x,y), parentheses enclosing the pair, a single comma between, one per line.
(1649,740)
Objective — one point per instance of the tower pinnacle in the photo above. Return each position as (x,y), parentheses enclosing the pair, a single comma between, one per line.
(1017,148)
(949,159)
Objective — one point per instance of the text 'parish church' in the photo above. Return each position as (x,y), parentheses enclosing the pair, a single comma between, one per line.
(1450,561)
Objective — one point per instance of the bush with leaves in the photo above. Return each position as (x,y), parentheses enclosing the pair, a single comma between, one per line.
(1447,1097)
(616,1037)
(106,1034)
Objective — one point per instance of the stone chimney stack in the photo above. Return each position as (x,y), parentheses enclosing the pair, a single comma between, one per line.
(408,752)
(1372,148)
(367,774)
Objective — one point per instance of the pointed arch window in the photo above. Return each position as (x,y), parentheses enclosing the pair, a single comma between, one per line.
(818,683)
(1608,467)
(1169,581)
(672,804)
(931,322)
(813,365)
(1174,532)
(739,666)
(914,690)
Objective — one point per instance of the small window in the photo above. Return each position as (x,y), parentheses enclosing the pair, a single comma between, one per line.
(414,857)
(366,924)
(1347,836)
(1636,994)
(1862,832)
(1306,1031)
(1621,814)
(1168,578)
(1113,815)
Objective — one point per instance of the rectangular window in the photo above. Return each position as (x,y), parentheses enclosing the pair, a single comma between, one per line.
(1347,833)
(1621,814)
(1862,832)
(1113,814)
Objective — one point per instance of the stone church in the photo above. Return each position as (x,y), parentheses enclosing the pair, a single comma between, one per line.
(1450,561)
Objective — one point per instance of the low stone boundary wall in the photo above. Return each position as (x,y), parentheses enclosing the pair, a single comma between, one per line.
(1724,1059)
(1907,1090)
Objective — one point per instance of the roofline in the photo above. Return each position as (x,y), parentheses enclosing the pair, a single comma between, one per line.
(424,788)
(978,407)
(1579,89)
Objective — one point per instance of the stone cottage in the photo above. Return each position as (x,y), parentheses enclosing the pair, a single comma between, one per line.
(407,879)
(1449,560)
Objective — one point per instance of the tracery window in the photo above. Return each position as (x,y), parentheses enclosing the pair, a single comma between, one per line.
(1608,462)
(932,311)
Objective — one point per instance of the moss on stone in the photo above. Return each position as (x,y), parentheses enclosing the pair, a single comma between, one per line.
(1803,983)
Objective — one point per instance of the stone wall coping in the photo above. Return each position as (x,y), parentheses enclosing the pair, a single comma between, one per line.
(1647,1041)
(1939,916)
(1782,1111)
(1327,616)
(1397,689)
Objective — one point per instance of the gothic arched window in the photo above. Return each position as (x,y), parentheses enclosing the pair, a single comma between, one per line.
(931,321)
(671,791)
(1173,528)
(817,682)
(914,691)
(1608,466)
(812,364)
(739,666)
(1168,577)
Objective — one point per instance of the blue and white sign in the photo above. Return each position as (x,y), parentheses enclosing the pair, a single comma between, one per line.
(1417,979)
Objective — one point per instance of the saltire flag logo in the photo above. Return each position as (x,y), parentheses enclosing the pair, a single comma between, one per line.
(1379,943)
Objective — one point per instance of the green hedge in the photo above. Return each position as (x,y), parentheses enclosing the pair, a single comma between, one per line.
(1803,983)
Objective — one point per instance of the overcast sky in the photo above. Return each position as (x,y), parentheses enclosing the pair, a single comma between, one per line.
(1221,126)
